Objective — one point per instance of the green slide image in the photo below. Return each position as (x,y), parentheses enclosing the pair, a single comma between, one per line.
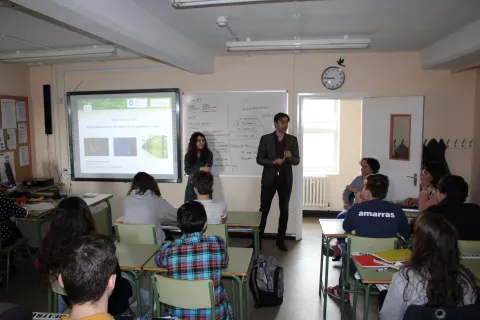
(157,147)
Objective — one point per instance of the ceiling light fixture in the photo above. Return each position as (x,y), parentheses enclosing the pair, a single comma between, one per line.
(203,3)
(313,44)
(78,53)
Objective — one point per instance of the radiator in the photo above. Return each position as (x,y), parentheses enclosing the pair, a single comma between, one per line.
(314,192)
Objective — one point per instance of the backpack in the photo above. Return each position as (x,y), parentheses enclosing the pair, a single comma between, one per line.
(266,282)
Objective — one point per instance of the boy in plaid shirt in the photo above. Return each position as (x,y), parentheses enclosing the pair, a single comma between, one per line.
(196,257)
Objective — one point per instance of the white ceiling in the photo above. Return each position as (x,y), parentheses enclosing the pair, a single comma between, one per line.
(392,25)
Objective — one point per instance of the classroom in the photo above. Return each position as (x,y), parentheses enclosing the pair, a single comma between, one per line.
(396,60)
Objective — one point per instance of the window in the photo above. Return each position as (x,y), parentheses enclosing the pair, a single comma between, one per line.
(320,122)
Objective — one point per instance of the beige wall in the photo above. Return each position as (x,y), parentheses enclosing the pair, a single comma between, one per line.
(475,180)
(14,80)
(449,102)
(350,149)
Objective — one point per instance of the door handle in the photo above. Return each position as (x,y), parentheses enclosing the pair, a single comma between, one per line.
(415,178)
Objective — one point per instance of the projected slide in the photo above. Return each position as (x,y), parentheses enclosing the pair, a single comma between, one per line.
(115,135)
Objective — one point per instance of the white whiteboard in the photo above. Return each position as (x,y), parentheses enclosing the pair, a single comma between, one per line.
(233,123)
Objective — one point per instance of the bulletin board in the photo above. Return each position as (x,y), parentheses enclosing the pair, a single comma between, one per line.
(15,141)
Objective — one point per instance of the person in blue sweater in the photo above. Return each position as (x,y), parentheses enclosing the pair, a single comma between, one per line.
(373,217)
(367,166)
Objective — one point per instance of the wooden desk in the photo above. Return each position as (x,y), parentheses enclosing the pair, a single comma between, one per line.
(131,258)
(239,264)
(370,276)
(236,219)
(330,228)
(247,219)
(35,233)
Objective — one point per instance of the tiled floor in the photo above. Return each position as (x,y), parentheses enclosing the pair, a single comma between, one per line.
(301,266)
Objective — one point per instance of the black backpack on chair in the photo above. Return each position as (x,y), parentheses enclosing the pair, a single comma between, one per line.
(266,282)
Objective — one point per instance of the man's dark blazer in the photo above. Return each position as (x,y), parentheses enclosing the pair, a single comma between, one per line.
(266,154)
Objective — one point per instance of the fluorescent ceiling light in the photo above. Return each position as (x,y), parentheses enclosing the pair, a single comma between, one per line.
(79,53)
(202,3)
(317,44)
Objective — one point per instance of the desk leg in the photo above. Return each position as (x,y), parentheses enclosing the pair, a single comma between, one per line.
(368,286)
(256,242)
(325,283)
(320,284)
(150,297)
(109,218)
(240,295)
(234,297)
(137,276)
(355,299)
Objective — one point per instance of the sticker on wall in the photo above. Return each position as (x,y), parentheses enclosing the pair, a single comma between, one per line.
(341,62)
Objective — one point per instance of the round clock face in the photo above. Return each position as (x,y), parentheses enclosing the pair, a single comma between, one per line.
(333,78)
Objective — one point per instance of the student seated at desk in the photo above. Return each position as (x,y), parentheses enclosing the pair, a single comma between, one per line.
(144,205)
(72,219)
(465,217)
(196,257)
(372,217)
(88,276)
(431,173)
(9,210)
(434,274)
(203,187)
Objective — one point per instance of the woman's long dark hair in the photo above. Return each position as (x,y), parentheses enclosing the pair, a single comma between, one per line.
(142,182)
(192,149)
(72,219)
(436,170)
(436,259)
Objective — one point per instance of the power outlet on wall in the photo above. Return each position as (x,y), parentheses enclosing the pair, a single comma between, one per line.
(66,173)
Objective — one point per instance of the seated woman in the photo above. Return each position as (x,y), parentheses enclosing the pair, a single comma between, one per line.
(354,189)
(367,166)
(452,193)
(9,210)
(144,205)
(434,275)
(72,219)
(431,173)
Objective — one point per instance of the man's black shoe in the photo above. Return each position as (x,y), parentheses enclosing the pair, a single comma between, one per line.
(282,246)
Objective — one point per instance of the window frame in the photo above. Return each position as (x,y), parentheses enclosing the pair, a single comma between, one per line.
(322,170)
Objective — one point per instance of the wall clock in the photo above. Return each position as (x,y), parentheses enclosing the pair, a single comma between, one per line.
(333,78)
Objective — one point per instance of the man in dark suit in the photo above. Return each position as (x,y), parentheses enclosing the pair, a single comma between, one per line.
(277,152)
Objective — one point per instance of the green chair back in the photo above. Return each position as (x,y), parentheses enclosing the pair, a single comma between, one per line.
(103,222)
(469,246)
(363,245)
(136,233)
(53,292)
(184,294)
(220,230)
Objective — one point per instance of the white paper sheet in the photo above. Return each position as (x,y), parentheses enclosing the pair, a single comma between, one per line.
(11,139)
(24,156)
(21,111)
(40,206)
(22,133)
(2,140)
(9,117)
(11,158)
